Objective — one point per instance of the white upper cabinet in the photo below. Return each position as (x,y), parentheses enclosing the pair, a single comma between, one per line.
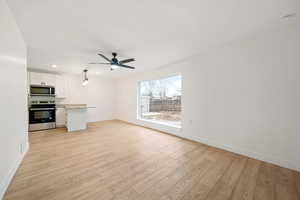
(42,79)
(50,79)
(61,85)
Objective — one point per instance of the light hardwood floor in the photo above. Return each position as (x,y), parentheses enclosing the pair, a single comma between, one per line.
(119,161)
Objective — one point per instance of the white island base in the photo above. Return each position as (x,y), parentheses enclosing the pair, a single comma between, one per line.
(76,117)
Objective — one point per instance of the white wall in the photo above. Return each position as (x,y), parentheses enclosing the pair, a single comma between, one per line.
(243,97)
(98,95)
(13,100)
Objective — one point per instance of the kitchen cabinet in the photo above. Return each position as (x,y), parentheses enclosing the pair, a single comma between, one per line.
(42,79)
(60,117)
(61,86)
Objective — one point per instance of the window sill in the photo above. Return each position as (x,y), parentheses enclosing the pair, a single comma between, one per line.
(161,123)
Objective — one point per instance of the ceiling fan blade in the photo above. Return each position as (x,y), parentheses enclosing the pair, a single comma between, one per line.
(103,56)
(127,60)
(126,66)
(93,63)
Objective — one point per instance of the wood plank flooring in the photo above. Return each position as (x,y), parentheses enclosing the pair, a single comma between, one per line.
(113,160)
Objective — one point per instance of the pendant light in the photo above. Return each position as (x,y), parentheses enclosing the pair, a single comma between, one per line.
(85,80)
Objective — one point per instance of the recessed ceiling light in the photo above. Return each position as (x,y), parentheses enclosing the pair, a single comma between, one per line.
(53,66)
(289,15)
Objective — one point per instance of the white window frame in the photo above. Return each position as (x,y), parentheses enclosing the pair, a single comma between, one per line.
(138,103)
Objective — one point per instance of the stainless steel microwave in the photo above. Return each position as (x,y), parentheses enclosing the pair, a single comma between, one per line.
(42,90)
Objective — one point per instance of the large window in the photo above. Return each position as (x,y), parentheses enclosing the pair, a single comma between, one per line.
(160,100)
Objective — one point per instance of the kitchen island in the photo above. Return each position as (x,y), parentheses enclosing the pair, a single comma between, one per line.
(76,117)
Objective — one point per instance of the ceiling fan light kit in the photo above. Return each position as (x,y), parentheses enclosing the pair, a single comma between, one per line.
(113,67)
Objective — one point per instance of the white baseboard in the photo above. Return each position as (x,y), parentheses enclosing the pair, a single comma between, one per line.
(231,148)
(6,181)
(248,153)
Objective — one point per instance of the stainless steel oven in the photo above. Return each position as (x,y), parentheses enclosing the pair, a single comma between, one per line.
(42,114)
(42,90)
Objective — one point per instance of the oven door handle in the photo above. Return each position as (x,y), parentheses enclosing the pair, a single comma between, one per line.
(42,109)
(50,95)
